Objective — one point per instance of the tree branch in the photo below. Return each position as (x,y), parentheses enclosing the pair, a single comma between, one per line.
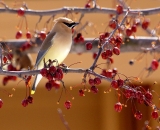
(133,12)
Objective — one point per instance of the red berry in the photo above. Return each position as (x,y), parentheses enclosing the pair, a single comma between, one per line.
(88,45)
(44,72)
(94,89)
(91,81)
(109,73)
(81,92)
(67,104)
(48,86)
(134,28)
(52,69)
(106,34)
(94,55)
(114,70)
(120,82)
(118,41)
(5,59)
(145,23)
(109,53)
(24,102)
(58,75)
(102,37)
(1,103)
(113,24)
(49,76)
(28,35)
(116,50)
(129,32)
(154,64)
(104,55)
(20,12)
(42,35)
(18,34)
(119,9)
(5,80)
(118,107)
(148,96)
(154,114)
(114,84)
(97,81)
(88,5)
(30,99)
(138,115)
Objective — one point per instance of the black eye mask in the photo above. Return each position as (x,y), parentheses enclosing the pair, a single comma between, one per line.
(70,25)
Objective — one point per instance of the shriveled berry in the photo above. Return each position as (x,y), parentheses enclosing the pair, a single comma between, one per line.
(118,107)
(67,104)
(81,92)
(138,115)
(30,99)
(24,102)
(94,89)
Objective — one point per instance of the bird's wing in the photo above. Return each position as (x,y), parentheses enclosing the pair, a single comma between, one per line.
(45,47)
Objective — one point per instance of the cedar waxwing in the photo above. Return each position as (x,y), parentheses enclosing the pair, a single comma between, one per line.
(57,45)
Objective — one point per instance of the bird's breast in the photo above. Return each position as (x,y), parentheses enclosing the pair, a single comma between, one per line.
(61,45)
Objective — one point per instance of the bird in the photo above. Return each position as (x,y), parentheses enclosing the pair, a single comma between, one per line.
(56,45)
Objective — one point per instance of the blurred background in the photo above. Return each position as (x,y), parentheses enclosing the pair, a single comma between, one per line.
(91,112)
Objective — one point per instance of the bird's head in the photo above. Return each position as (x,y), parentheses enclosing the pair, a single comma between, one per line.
(63,23)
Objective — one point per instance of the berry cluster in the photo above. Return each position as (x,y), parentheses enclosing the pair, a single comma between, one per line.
(53,74)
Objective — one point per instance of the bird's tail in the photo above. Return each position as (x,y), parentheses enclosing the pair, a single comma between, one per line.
(36,81)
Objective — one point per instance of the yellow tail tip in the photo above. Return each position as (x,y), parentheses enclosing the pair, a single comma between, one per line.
(32,92)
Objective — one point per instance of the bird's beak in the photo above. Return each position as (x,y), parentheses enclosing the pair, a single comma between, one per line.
(75,24)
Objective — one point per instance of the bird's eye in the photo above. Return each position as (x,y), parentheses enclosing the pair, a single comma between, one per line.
(70,25)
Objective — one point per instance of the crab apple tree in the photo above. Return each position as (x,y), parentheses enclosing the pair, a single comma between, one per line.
(119,34)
